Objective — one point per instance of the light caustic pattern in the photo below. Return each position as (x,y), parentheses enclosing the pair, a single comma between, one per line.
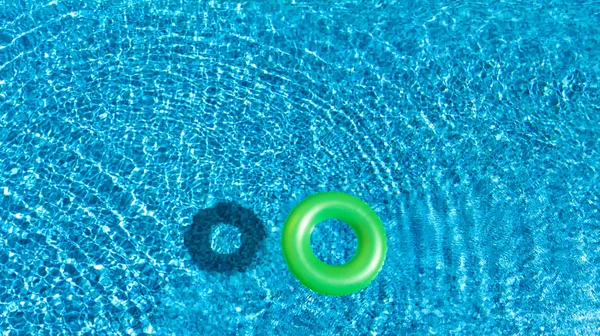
(470,129)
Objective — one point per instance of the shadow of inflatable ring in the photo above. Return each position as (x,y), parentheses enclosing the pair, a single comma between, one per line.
(198,238)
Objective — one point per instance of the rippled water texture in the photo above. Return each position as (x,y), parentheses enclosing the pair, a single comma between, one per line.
(472,129)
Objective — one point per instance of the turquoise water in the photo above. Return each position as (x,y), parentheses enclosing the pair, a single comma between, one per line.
(471,128)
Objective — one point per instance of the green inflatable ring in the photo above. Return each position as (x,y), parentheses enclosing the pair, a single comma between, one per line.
(329,279)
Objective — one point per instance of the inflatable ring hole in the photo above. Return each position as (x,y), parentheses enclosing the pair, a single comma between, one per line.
(333,241)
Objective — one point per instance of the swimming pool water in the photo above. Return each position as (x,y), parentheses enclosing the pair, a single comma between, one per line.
(471,128)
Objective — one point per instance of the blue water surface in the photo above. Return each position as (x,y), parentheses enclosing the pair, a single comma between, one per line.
(471,128)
